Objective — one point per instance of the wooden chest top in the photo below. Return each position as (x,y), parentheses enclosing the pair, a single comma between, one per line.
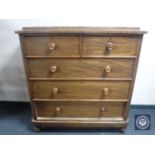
(81,30)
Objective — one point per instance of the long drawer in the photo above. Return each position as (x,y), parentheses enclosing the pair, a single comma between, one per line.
(80,109)
(81,68)
(80,89)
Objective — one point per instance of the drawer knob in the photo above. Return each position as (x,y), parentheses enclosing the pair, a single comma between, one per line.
(55,90)
(103,109)
(107,69)
(109,46)
(57,110)
(51,46)
(106,91)
(53,69)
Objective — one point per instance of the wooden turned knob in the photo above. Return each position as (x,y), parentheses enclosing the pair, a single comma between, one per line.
(109,46)
(51,46)
(103,109)
(106,91)
(57,110)
(55,90)
(107,69)
(53,69)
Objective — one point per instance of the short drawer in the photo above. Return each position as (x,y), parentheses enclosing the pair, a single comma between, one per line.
(80,89)
(80,109)
(51,45)
(81,68)
(114,46)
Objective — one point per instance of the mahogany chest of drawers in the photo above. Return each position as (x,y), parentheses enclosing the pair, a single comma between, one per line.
(80,76)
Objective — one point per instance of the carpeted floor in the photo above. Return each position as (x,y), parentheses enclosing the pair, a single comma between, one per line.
(15,119)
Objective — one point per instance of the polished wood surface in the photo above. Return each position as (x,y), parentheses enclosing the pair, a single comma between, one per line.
(80,109)
(114,45)
(43,45)
(80,68)
(81,30)
(110,122)
(80,76)
(80,90)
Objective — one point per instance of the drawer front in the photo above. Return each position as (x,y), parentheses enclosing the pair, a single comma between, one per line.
(80,109)
(80,90)
(51,45)
(84,68)
(119,46)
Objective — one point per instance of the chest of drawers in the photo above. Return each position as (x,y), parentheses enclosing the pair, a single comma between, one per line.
(80,76)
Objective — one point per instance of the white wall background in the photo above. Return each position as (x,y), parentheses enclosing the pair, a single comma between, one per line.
(76,13)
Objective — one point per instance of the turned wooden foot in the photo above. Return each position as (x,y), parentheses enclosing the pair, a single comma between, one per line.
(121,130)
(36,129)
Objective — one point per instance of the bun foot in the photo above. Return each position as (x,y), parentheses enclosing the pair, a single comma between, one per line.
(36,129)
(121,130)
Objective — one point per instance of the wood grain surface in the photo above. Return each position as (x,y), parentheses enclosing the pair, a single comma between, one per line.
(80,90)
(64,45)
(81,30)
(96,45)
(82,109)
(80,68)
